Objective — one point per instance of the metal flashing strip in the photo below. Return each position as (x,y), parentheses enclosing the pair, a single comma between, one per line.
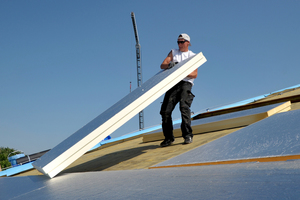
(69,150)
(16,170)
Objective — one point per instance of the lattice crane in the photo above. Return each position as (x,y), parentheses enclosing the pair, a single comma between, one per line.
(139,67)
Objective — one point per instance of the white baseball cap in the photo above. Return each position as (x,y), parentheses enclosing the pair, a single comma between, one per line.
(185,37)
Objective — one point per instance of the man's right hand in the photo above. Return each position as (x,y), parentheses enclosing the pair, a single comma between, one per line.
(172,64)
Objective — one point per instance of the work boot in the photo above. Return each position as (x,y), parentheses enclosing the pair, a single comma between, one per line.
(166,142)
(188,140)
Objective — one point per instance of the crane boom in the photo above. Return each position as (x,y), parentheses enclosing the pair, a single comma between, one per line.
(135,28)
(139,67)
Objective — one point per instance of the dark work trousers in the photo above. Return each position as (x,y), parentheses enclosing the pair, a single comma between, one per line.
(181,93)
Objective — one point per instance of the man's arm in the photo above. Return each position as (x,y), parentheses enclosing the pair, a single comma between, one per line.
(194,74)
(165,63)
(169,58)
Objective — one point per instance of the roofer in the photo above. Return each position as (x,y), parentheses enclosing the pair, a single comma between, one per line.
(181,93)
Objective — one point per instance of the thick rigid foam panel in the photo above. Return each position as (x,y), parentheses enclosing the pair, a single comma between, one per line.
(225,121)
(275,136)
(88,136)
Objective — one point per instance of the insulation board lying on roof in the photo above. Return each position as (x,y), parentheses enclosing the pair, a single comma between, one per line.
(225,121)
(276,138)
(95,131)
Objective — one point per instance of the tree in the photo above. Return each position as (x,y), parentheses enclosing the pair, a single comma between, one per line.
(4,152)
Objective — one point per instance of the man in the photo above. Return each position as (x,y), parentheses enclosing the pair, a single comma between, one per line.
(181,93)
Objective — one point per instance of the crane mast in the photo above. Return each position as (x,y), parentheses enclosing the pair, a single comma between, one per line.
(139,67)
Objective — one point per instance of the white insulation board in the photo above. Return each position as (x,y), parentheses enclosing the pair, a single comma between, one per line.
(69,150)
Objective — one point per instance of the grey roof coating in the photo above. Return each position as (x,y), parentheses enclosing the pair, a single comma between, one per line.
(278,135)
(274,180)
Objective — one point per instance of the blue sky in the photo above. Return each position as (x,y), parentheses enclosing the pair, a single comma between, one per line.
(62,63)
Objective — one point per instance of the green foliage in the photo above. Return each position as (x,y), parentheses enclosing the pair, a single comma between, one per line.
(4,152)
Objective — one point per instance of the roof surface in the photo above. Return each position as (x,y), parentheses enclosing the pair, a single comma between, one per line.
(273,180)
(122,169)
